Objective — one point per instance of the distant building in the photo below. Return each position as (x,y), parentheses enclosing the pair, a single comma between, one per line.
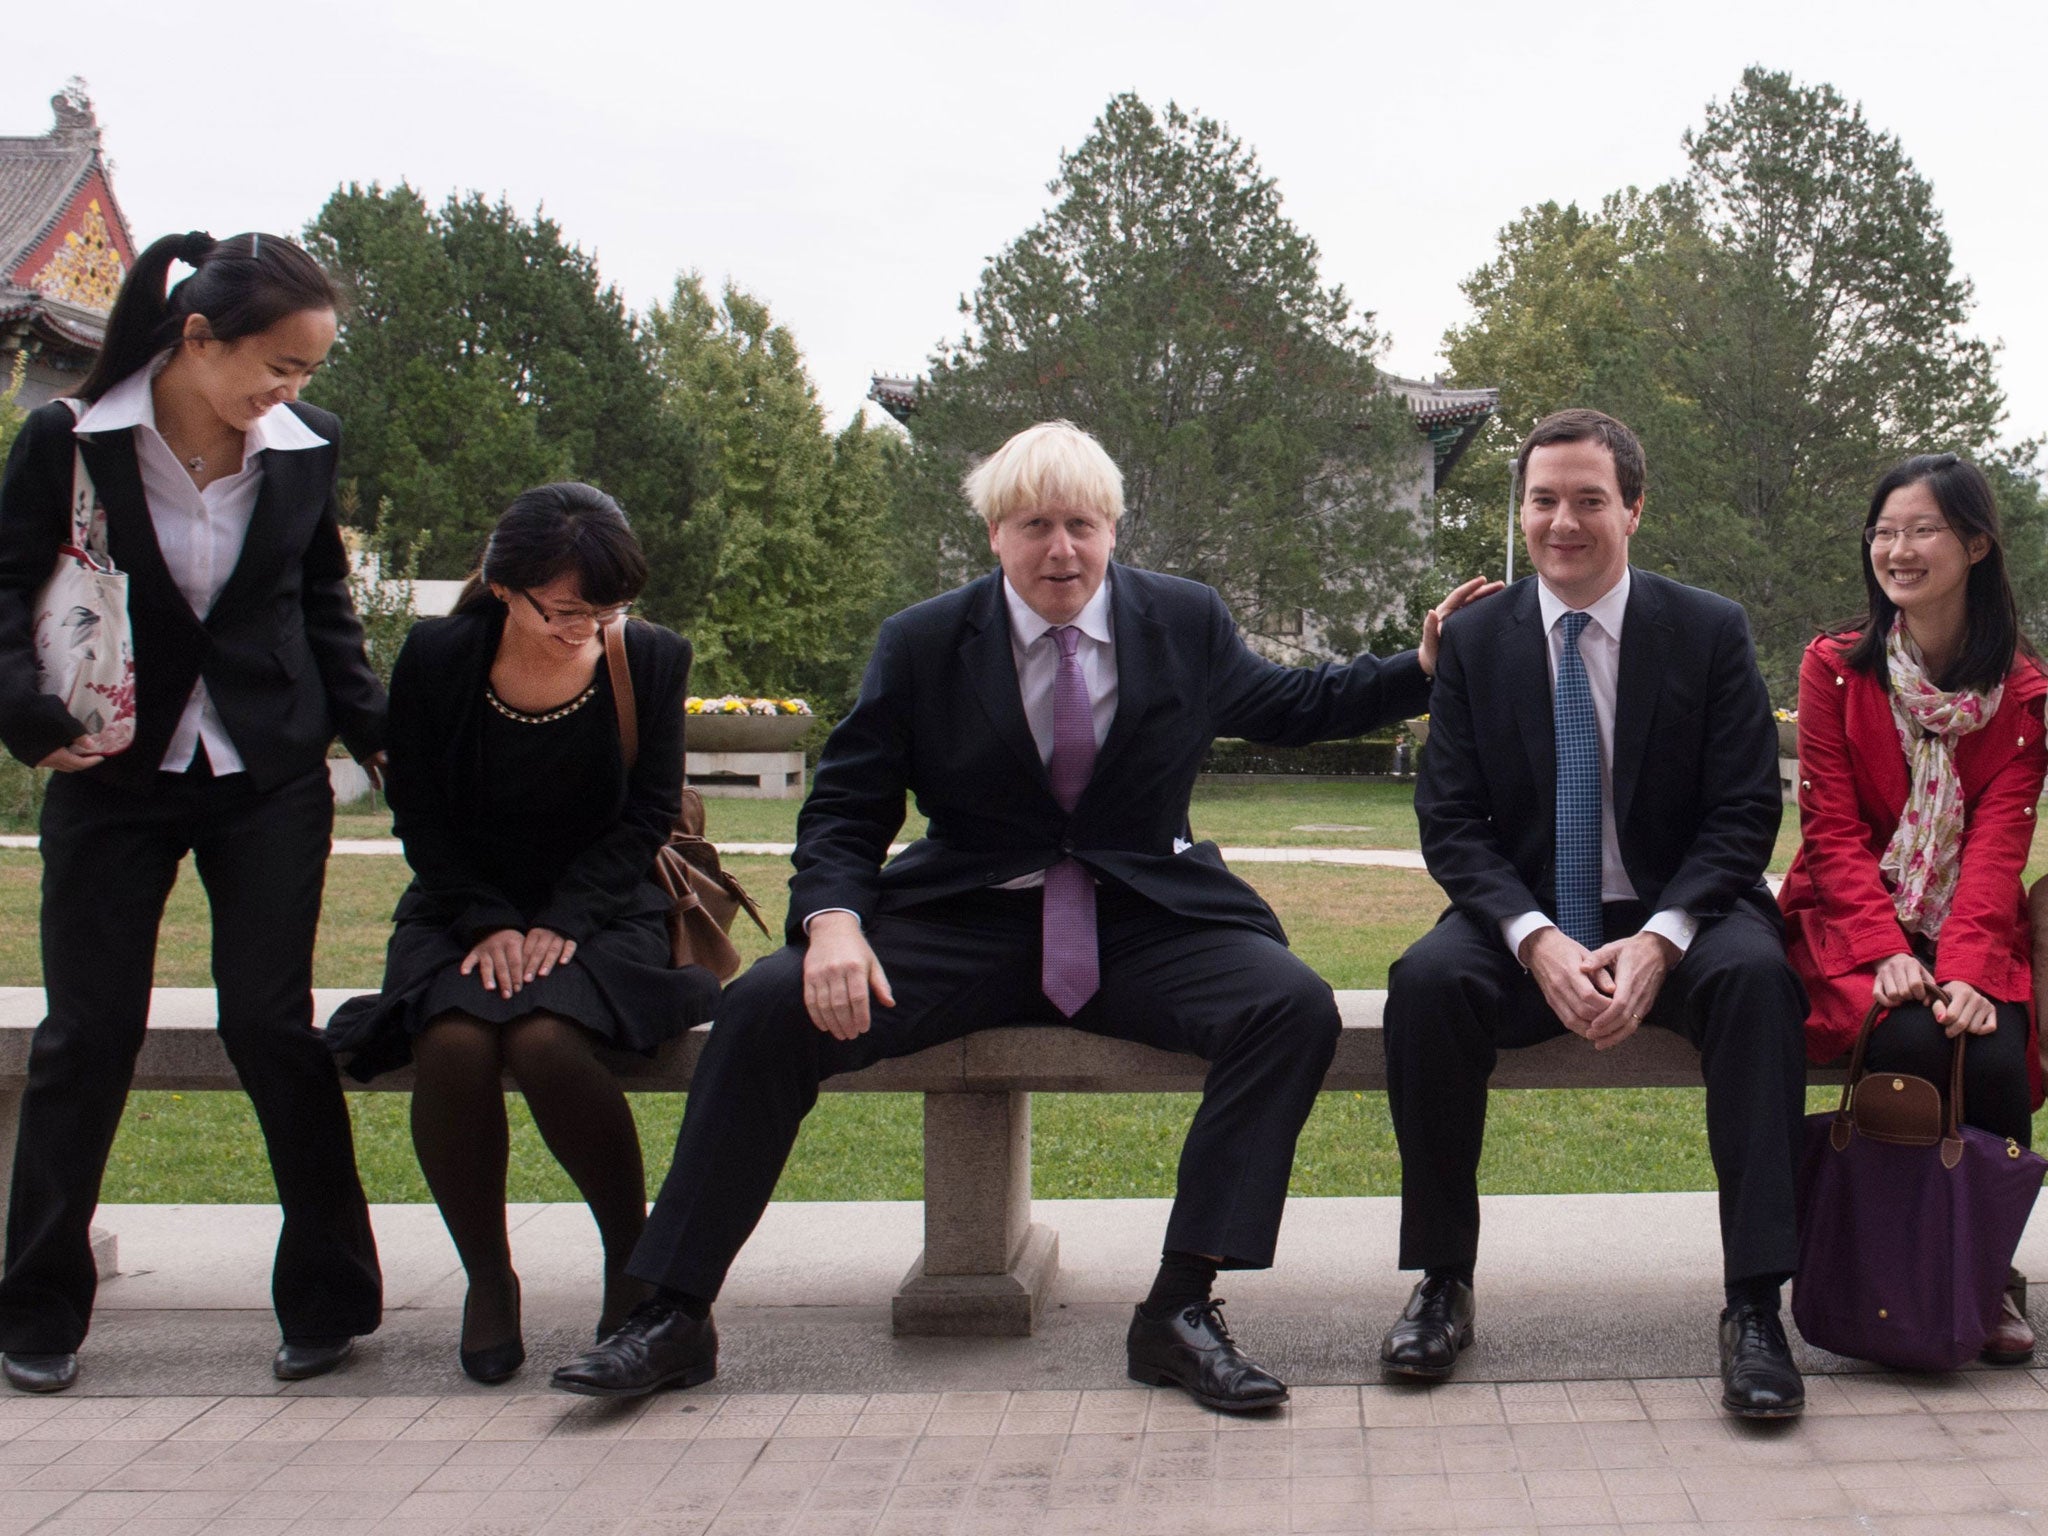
(64,248)
(1446,422)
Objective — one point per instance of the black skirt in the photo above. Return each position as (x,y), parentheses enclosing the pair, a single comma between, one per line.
(619,986)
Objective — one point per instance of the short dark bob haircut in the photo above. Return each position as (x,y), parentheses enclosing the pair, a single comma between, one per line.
(1579,425)
(559,530)
(1992,635)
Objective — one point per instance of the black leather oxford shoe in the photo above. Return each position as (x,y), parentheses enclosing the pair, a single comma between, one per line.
(657,1346)
(1192,1350)
(1758,1378)
(1433,1328)
(309,1358)
(40,1373)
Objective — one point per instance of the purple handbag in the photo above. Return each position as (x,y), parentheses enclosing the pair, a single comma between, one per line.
(1908,1220)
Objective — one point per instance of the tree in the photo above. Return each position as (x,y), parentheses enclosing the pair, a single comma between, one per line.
(794,514)
(1779,324)
(480,355)
(1166,303)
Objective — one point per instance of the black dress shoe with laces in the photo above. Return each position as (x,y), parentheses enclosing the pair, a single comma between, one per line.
(657,1346)
(40,1373)
(309,1357)
(1435,1326)
(1192,1350)
(1758,1378)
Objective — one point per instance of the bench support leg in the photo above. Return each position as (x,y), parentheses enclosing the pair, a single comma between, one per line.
(986,1267)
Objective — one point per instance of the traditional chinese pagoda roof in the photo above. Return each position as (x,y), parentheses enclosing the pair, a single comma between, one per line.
(64,243)
(1449,418)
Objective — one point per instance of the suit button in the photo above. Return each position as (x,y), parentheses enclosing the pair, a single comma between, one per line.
(1806,783)
(1840,680)
(1066,848)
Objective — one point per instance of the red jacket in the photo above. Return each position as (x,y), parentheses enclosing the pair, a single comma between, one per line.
(1853,782)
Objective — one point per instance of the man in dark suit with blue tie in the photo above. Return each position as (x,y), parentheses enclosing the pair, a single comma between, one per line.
(1050,718)
(1598,800)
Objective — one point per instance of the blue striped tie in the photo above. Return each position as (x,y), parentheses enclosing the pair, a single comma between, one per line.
(1578,793)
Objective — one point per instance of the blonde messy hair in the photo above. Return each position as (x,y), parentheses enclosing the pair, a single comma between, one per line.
(1053,464)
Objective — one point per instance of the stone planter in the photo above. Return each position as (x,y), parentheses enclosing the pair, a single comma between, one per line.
(1419,729)
(1788,738)
(744,733)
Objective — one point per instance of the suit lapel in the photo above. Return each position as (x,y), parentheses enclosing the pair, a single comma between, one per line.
(281,494)
(991,669)
(1527,670)
(131,534)
(1140,664)
(1645,642)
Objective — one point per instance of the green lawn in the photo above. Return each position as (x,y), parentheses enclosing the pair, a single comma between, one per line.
(1349,923)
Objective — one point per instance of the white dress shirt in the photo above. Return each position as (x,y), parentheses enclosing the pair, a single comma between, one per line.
(1038,667)
(200,532)
(1600,650)
(1037,656)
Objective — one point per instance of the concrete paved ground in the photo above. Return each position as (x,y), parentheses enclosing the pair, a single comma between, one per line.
(1588,1405)
(1570,1287)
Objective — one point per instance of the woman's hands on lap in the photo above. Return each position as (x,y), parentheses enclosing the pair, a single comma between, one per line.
(1903,979)
(508,959)
(1967,1011)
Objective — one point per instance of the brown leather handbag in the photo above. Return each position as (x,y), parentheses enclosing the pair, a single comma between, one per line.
(704,896)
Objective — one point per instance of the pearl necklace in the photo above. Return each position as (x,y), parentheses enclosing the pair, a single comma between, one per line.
(520,715)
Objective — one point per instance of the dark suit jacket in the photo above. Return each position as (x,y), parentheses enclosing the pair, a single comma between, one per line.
(437,708)
(281,652)
(1696,796)
(940,716)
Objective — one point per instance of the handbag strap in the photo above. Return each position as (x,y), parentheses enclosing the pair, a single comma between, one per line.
(1952,1120)
(84,495)
(623,702)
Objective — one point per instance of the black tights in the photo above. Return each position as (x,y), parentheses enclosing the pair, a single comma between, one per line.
(460,1133)
(1996,1096)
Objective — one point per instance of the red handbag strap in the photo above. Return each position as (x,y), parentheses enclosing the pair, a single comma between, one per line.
(622,692)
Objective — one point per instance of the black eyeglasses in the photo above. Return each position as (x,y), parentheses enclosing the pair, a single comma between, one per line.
(579,618)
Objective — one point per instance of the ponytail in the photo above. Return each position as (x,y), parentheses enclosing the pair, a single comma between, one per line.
(242,286)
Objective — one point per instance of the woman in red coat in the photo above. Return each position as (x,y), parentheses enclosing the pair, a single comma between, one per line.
(1921,758)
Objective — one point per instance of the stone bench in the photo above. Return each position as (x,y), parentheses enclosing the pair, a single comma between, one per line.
(986,1267)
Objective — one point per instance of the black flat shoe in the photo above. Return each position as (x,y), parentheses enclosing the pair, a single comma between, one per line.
(1433,1329)
(657,1346)
(1758,1378)
(496,1362)
(308,1358)
(1192,1350)
(40,1373)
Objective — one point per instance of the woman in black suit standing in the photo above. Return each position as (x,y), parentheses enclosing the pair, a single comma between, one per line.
(218,489)
(533,930)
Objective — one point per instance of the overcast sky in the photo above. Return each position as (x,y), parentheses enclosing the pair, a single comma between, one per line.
(855,164)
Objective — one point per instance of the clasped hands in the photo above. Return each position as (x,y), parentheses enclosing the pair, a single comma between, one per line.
(509,959)
(1903,979)
(1602,994)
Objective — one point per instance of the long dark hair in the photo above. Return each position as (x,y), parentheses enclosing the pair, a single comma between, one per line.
(242,285)
(1991,635)
(551,531)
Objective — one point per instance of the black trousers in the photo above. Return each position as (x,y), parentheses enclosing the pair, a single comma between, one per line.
(110,857)
(1996,1096)
(1265,1022)
(1457,997)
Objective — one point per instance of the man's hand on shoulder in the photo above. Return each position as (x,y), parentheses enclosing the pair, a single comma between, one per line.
(1433,621)
(1631,972)
(840,972)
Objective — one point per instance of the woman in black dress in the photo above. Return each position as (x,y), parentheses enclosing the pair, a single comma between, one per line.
(532,930)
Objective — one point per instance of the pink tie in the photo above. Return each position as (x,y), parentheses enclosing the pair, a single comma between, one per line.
(1072,967)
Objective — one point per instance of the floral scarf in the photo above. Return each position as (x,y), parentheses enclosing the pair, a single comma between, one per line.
(1923,858)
